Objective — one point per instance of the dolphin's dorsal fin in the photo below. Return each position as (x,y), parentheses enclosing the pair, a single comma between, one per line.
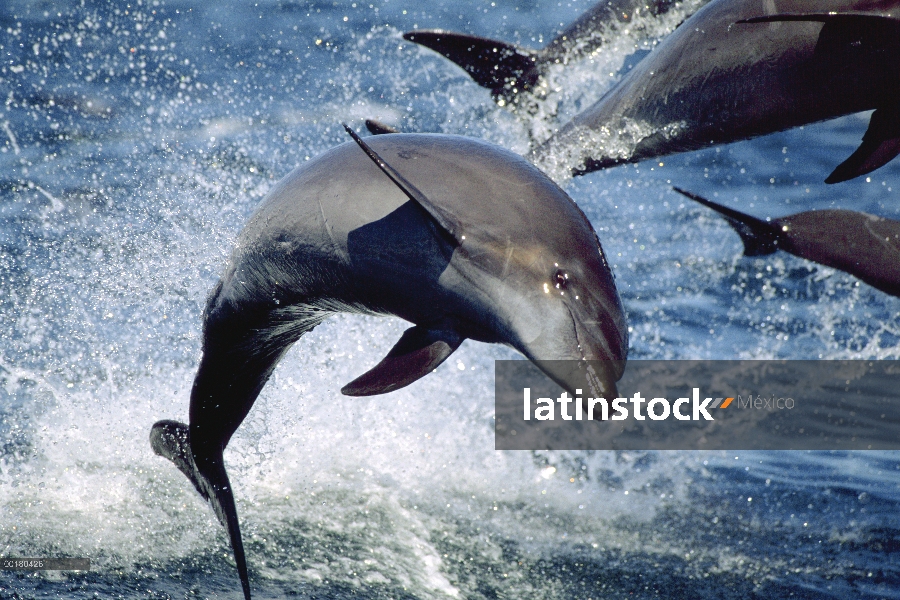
(759,237)
(171,440)
(379,128)
(412,192)
(418,352)
(498,66)
(880,145)
(825,17)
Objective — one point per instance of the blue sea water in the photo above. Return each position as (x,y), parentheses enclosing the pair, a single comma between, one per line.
(135,139)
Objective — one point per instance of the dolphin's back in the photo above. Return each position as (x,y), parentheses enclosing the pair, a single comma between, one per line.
(342,189)
(316,215)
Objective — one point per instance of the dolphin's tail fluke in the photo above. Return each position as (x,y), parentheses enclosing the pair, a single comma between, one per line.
(759,237)
(503,68)
(171,440)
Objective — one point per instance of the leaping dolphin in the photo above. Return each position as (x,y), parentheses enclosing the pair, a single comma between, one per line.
(864,245)
(736,69)
(461,238)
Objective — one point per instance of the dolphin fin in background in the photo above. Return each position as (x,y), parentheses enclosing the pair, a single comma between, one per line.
(759,237)
(855,17)
(880,145)
(498,66)
(379,128)
(418,352)
(443,218)
(171,439)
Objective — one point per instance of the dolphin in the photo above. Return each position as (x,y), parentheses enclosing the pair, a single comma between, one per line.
(459,237)
(734,70)
(863,245)
(512,72)
(738,69)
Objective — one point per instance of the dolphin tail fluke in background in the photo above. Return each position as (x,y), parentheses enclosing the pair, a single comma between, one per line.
(379,128)
(171,440)
(499,66)
(880,145)
(418,352)
(759,237)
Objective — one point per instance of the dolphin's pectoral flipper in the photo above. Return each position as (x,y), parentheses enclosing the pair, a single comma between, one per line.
(419,351)
(379,128)
(498,66)
(758,236)
(171,440)
(880,145)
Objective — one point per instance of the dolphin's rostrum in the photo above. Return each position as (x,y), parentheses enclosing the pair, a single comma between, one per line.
(457,236)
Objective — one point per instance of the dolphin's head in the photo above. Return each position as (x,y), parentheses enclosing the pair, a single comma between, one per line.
(555,301)
(527,269)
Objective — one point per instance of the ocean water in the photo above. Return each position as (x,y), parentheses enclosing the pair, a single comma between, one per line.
(136,138)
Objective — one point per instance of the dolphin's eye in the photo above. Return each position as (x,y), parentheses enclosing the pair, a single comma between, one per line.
(561,279)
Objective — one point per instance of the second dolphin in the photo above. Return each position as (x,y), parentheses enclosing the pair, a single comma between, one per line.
(864,245)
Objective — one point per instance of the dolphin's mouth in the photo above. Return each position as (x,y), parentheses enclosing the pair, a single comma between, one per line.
(579,342)
(603,370)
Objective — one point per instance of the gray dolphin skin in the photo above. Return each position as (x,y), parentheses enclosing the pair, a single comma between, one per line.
(509,71)
(738,69)
(863,245)
(459,237)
